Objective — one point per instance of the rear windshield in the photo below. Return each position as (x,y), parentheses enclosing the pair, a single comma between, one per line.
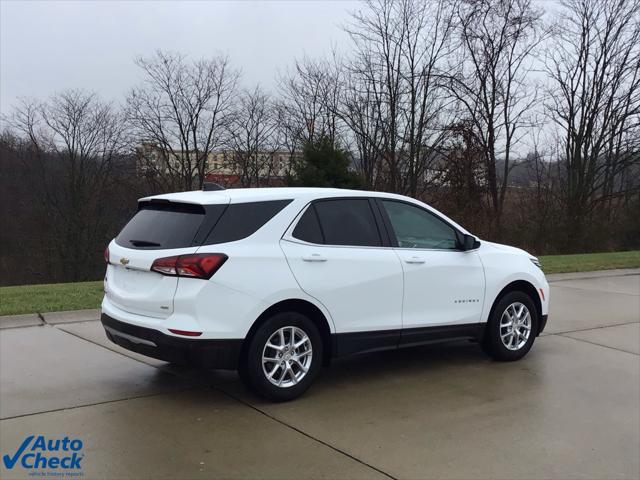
(162,225)
(179,225)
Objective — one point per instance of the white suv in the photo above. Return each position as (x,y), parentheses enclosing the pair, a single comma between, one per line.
(275,282)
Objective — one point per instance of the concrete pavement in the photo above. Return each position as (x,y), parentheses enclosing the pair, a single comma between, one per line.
(570,409)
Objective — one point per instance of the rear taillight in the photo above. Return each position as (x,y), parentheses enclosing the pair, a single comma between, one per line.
(197,265)
(106,254)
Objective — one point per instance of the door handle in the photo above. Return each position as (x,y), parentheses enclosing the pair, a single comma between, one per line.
(314,257)
(414,260)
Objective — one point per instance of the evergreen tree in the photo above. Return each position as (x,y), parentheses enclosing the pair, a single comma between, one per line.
(324,164)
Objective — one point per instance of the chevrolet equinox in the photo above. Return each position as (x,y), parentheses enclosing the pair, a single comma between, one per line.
(274,282)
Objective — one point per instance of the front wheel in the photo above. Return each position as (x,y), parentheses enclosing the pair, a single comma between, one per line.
(283,357)
(512,327)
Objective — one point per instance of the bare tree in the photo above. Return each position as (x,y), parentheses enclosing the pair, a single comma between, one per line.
(463,172)
(73,142)
(536,207)
(180,114)
(359,109)
(288,134)
(309,98)
(594,99)
(491,84)
(394,100)
(253,134)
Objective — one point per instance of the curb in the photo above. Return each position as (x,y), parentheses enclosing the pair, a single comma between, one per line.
(15,321)
(620,272)
(72,316)
(48,318)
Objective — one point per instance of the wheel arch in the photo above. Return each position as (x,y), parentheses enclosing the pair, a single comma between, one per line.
(304,307)
(525,287)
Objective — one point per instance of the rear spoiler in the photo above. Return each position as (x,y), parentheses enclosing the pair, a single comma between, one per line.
(211,187)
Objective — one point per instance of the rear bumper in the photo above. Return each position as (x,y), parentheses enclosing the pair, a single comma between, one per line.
(223,354)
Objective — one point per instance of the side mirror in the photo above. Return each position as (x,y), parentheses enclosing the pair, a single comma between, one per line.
(469,242)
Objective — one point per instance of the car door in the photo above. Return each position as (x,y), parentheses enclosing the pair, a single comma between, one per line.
(337,254)
(443,286)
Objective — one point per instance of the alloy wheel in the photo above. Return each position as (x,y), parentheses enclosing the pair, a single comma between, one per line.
(287,356)
(515,326)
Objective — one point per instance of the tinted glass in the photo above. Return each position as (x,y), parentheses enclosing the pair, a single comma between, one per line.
(240,220)
(308,228)
(348,222)
(417,228)
(162,226)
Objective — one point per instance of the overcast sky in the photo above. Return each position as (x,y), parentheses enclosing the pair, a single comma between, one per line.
(47,46)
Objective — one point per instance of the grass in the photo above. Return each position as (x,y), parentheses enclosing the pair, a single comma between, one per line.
(586,262)
(78,296)
(50,298)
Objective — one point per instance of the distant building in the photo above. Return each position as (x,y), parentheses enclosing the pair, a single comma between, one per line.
(227,167)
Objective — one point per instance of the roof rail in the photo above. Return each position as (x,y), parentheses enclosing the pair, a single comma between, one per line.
(211,186)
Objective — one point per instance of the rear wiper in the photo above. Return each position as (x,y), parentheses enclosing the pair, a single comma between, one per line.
(144,243)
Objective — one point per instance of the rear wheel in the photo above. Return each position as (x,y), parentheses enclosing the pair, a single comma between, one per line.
(283,357)
(512,328)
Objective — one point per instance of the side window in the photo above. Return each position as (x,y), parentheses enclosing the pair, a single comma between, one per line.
(348,222)
(308,228)
(240,220)
(417,228)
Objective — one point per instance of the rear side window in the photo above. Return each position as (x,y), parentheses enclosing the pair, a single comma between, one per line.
(240,220)
(348,222)
(308,227)
(162,225)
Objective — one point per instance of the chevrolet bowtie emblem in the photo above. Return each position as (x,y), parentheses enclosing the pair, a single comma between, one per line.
(124,261)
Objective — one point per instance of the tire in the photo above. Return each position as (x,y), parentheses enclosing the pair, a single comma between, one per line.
(514,346)
(283,378)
